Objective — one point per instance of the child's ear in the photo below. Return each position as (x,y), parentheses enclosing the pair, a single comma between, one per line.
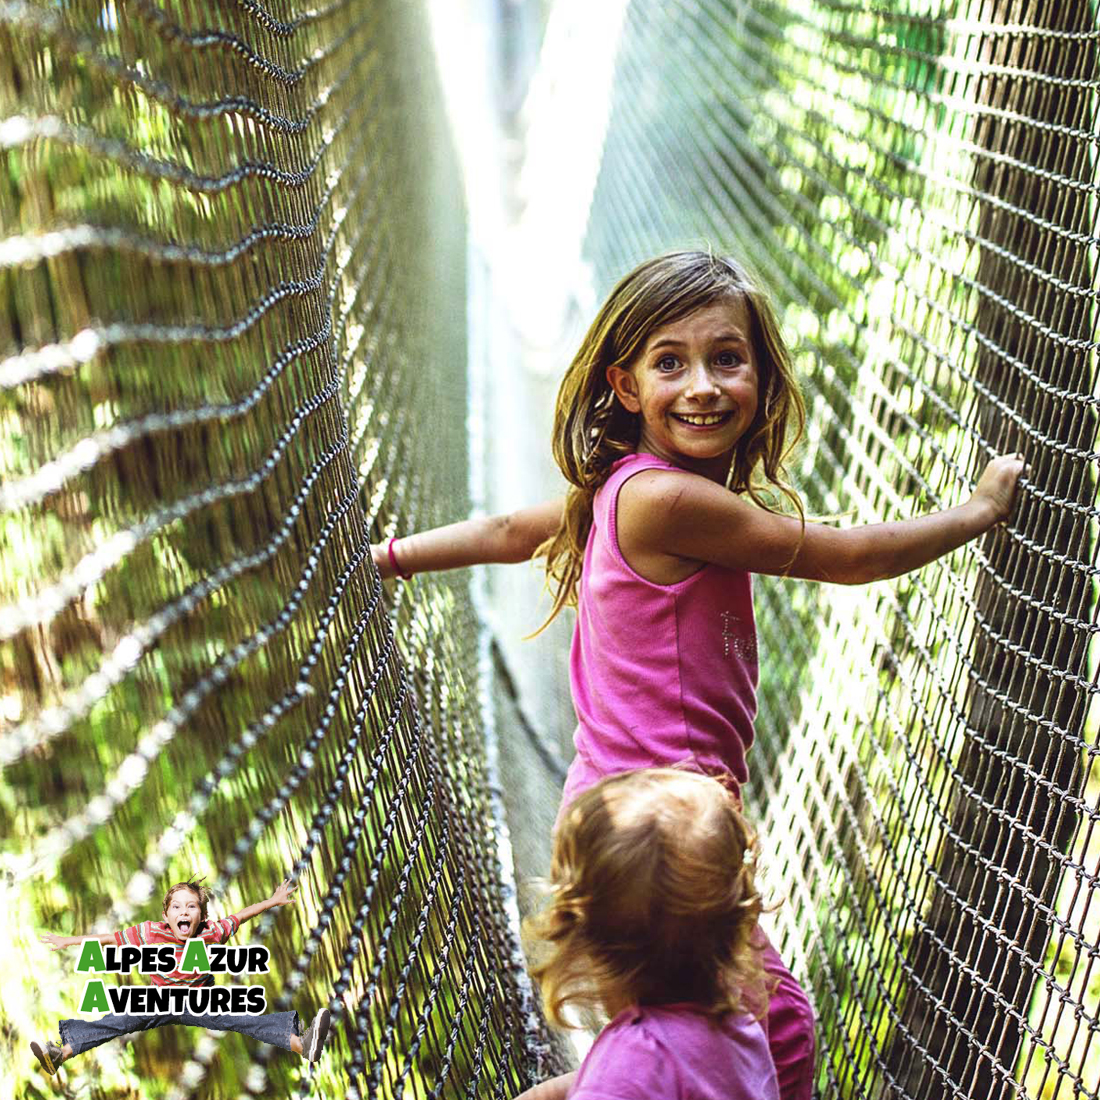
(625,387)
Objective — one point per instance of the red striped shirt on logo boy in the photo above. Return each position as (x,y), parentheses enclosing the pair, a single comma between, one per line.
(157,932)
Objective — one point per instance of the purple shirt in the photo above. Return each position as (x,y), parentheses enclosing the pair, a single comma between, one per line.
(674,1052)
(661,673)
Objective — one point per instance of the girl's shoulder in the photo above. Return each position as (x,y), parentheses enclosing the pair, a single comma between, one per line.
(648,509)
(631,464)
(651,482)
(653,494)
(658,480)
(676,516)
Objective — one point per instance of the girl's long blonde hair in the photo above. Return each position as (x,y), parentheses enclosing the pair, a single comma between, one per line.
(653,900)
(592,429)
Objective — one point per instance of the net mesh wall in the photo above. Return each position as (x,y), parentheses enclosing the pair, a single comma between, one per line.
(231,326)
(917,183)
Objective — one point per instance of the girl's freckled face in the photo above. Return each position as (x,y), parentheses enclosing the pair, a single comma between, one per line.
(184,914)
(695,387)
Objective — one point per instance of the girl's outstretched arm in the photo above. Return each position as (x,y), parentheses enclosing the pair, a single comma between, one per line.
(665,518)
(280,896)
(499,539)
(59,943)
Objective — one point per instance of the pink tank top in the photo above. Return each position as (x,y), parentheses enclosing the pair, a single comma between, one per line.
(661,673)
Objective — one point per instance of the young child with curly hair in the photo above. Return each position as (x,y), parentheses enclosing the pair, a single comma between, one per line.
(652,924)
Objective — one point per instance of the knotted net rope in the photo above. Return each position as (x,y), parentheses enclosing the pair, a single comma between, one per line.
(232,343)
(917,182)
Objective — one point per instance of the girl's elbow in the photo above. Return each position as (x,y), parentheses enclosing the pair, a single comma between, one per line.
(868,554)
(869,572)
(864,567)
(511,539)
(863,576)
(841,556)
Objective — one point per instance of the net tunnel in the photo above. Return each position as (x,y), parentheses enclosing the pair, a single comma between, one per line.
(280,280)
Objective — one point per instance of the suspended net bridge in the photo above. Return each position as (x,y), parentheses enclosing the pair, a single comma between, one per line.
(278,281)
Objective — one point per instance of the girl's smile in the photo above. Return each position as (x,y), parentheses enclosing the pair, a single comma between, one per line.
(703,420)
(695,387)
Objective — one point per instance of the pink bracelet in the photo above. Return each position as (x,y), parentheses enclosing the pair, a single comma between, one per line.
(393,561)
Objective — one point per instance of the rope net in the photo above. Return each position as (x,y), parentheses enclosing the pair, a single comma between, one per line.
(917,182)
(233,301)
(232,337)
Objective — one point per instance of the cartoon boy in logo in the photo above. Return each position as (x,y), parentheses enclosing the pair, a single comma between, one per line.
(185,907)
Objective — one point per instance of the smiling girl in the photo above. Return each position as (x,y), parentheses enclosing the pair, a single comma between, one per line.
(671,427)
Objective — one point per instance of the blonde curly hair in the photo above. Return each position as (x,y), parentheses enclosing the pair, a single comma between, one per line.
(653,900)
